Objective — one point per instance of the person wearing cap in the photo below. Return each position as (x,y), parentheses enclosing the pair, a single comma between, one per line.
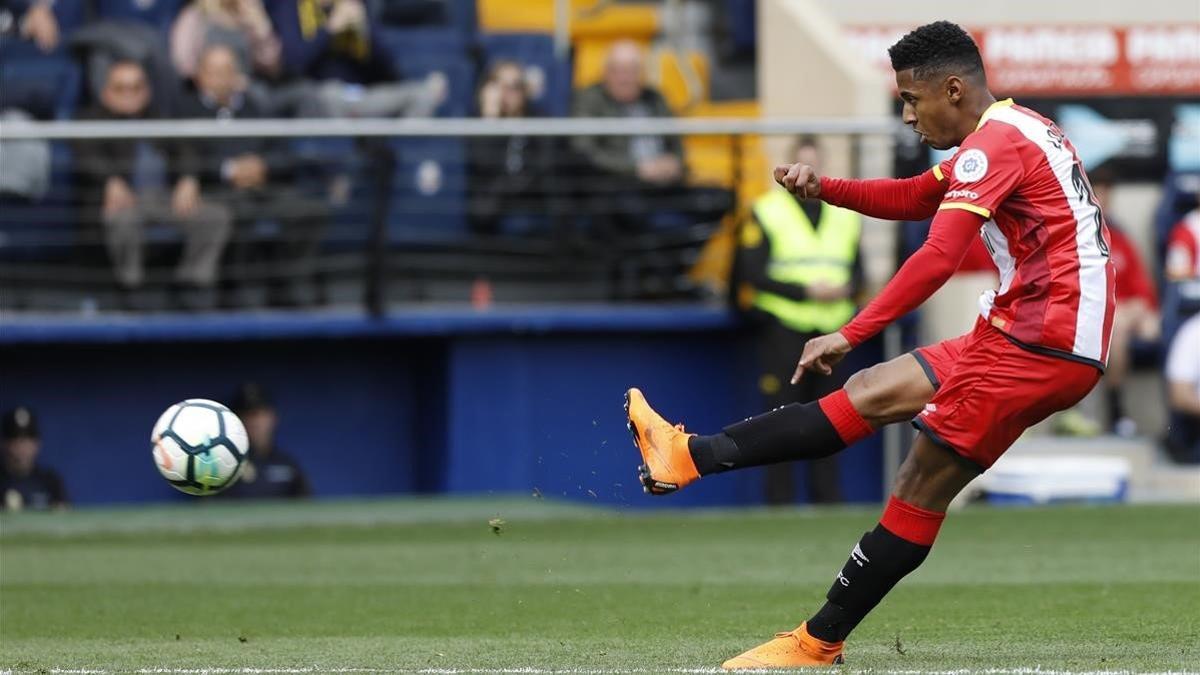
(23,483)
(268,473)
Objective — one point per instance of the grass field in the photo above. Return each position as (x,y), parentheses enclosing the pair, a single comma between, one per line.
(426,584)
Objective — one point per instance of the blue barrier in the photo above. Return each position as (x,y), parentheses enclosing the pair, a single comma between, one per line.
(507,400)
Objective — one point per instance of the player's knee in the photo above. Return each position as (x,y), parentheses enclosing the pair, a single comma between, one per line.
(873,394)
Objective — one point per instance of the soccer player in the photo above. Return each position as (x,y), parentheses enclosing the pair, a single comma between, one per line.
(1039,346)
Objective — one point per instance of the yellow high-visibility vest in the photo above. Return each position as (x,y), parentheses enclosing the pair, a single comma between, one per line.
(802,254)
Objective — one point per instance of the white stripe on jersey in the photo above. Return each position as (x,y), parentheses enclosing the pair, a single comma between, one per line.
(1093,275)
(997,245)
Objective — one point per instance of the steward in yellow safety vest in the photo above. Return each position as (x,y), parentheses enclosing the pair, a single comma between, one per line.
(790,267)
(798,267)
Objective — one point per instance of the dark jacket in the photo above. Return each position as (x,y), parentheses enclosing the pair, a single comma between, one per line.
(509,175)
(204,157)
(97,160)
(613,154)
(311,51)
(275,476)
(41,489)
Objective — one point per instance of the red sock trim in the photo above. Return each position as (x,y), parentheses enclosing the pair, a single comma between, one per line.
(850,426)
(911,523)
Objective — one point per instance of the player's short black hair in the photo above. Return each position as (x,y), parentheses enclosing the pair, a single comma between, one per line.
(937,48)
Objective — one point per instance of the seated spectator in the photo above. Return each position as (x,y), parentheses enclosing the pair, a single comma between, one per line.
(24,484)
(241,24)
(655,160)
(636,178)
(1183,393)
(31,20)
(268,472)
(509,176)
(1183,248)
(251,177)
(337,44)
(123,188)
(1136,316)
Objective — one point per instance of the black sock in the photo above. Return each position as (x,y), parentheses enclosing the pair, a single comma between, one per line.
(1116,408)
(791,432)
(877,563)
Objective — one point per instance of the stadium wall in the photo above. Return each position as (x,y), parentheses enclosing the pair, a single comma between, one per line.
(459,403)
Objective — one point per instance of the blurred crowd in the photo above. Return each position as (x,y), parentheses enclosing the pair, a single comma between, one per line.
(248,59)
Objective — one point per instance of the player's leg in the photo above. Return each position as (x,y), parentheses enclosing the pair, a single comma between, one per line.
(929,478)
(996,391)
(889,392)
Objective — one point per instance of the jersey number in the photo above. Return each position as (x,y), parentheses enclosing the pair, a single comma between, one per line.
(1083,190)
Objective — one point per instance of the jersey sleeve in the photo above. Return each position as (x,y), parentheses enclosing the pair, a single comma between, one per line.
(983,173)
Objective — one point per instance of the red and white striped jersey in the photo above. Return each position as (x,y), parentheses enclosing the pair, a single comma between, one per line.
(1045,233)
(1183,248)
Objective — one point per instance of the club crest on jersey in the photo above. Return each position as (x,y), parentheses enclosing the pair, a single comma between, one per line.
(971,166)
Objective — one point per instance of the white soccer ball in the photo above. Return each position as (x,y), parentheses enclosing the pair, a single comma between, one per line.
(199,446)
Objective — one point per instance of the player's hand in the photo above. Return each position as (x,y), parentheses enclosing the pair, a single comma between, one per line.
(799,179)
(821,354)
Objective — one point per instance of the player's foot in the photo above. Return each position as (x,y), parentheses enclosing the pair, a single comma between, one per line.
(793,649)
(666,461)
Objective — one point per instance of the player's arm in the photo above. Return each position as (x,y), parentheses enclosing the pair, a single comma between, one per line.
(950,236)
(915,198)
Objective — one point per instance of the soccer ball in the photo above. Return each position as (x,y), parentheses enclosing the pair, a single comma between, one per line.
(199,446)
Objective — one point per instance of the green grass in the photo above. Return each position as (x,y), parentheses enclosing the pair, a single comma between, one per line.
(414,584)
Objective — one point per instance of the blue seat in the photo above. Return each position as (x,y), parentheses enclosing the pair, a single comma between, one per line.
(460,78)
(429,192)
(536,52)
(463,16)
(45,86)
(46,229)
(158,13)
(404,43)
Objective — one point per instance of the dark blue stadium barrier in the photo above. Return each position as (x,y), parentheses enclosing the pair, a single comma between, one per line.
(460,401)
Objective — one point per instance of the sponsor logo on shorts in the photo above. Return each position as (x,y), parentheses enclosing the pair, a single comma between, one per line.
(929,408)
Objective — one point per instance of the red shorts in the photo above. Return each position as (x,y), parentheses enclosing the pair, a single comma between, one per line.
(988,391)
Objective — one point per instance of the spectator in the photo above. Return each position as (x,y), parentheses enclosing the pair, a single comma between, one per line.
(252,178)
(640,177)
(1136,317)
(509,176)
(268,472)
(337,44)
(1183,393)
(241,24)
(25,484)
(32,20)
(124,181)
(799,268)
(1183,248)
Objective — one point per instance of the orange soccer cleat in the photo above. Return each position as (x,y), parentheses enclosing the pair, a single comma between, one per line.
(666,461)
(793,649)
